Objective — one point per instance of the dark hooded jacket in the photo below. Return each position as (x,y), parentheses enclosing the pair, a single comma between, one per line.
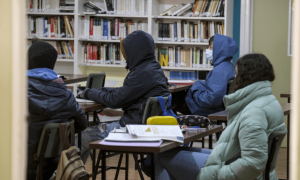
(206,97)
(49,102)
(145,79)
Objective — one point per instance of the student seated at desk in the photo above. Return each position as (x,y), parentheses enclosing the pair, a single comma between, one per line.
(49,101)
(145,79)
(205,97)
(242,150)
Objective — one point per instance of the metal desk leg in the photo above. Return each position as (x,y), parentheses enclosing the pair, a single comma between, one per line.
(103,159)
(97,166)
(152,167)
(210,142)
(288,145)
(126,166)
(94,161)
(79,140)
(218,136)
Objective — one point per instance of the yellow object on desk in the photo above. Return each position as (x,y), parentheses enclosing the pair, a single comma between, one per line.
(162,120)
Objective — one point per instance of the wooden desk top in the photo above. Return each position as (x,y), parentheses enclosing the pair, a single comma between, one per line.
(286,95)
(166,145)
(222,115)
(90,107)
(178,88)
(74,78)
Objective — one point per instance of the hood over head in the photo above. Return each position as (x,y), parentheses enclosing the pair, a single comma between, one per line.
(139,47)
(224,48)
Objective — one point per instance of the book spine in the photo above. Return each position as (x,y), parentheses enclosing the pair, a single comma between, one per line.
(52,27)
(91,28)
(175,31)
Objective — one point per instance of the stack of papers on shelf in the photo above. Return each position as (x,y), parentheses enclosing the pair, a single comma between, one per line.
(147,133)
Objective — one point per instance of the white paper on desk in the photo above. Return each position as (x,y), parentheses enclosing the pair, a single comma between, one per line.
(165,132)
(125,137)
(181,81)
(84,100)
(110,83)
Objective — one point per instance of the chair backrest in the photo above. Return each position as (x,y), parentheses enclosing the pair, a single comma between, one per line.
(230,86)
(50,140)
(96,80)
(152,108)
(274,144)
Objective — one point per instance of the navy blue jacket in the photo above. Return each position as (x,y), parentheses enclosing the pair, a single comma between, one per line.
(49,102)
(206,97)
(145,79)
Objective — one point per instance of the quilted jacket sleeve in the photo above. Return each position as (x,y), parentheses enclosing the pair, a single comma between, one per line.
(211,93)
(133,89)
(253,141)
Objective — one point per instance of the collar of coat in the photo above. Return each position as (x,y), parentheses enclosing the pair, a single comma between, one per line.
(238,100)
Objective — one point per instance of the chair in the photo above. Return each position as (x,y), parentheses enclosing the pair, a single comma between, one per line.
(96,80)
(274,144)
(50,146)
(152,108)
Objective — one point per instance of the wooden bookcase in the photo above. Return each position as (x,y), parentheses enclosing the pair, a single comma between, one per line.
(155,7)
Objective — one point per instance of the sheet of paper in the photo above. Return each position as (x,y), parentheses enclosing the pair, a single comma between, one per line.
(155,130)
(84,100)
(137,144)
(111,83)
(125,137)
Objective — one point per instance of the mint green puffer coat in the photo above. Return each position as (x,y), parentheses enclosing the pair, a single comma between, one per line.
(254,113)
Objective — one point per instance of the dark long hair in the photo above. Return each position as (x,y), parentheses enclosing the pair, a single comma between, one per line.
(252,68)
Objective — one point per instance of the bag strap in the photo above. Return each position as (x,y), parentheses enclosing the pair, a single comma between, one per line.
(162,103)
(169,100)
(64,138)
(72,128)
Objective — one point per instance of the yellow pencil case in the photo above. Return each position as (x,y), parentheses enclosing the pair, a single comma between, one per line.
(162,120)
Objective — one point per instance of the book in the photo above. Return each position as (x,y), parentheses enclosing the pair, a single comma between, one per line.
(147,133)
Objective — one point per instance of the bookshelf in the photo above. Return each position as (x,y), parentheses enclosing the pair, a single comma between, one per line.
(153,9)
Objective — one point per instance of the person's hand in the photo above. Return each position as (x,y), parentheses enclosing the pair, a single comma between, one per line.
(83,94)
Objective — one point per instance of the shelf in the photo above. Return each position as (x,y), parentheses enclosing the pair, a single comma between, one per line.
(101,65)
(166,68)
(99,40)
(53,39)
(183,43)
(190,18)
(116,15)
(65,60)
(187,68)
(48,13)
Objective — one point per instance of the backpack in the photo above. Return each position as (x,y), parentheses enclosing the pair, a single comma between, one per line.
(166,111)
(70,164)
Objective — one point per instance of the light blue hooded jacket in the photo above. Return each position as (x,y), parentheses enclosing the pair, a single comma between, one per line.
(205,97)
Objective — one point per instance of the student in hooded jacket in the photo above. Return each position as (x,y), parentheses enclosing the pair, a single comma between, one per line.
(145,79)
(205,97)
(242,150)
(49,101)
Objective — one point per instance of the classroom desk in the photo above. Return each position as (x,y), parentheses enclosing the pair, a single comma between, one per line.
(166,145)
(177,88)
(74,78)
(87,108)
(222,115)
(288,96)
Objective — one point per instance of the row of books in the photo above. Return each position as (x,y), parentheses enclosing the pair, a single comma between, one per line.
(188,31)
(203,8)
(182,57)
(65,49)
(54,6)
(191,75)
(124,7)
(97,28)
(99,53)
(51,27)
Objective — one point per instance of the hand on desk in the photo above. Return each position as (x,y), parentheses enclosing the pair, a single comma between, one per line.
(83,94)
